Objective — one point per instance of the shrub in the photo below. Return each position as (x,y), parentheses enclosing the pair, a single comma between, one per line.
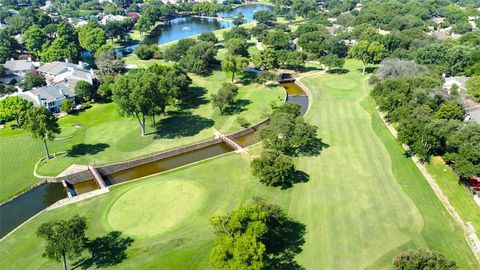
(144,52)
(243,122)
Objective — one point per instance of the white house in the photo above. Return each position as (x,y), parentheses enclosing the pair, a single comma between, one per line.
(69,73)
(112,18)
(50,96)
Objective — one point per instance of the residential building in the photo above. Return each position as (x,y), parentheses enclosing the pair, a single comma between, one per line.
(69,73)
(459,81)
(18,67)
(112,18)
(50,96)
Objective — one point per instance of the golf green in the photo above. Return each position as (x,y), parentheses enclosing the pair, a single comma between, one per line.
(155,207)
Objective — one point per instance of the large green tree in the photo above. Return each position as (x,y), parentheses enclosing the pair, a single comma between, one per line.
(33,80)
(135,94)
(473,87)
(91,36)
(289,134)
(85,91)
(273,168)
(225,97)
(256,236)
(14,108)
(34,38)
(237,46)
(234,64)
(64,239)
(41,124)
(422,259)
(199,58)
(65,46)
(367,52)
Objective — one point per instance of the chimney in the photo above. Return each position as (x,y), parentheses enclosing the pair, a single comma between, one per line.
(39,100)
(66,60)
(29,59)
(80,64)
(444,75)
(11,59)
(91,72)
(60,91)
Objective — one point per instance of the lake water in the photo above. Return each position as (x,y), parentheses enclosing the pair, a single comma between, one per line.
(185,27)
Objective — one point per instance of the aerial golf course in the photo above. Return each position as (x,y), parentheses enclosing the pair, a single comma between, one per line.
(364,201)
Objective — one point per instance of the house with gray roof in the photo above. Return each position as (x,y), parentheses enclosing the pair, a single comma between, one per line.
(66,72)
(460,81)
(18,67)
(50,96)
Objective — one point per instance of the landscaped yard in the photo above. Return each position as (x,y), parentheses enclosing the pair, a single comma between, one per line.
(364,202)
(102,136)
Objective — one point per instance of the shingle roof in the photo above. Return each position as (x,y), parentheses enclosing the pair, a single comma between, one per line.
(48,93)
(54,68)
(19,65)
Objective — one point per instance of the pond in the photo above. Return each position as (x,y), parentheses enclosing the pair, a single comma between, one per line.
(185,27)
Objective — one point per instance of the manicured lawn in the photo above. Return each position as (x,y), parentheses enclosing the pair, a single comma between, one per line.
(99,135)
(364,201)
(457,194)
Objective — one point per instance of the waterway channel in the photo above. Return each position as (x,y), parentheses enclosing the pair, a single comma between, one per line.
(28,204)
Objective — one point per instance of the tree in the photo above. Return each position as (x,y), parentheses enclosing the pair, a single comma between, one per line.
(14,108)
(292,59)
(225,97)
(64,239)
(65,46)
(236,32)
(234,64)
(67,106)
(332,61)
(273,168)
(33,80)
(91,36)
(175,52)
(450,110)
(34,38)
(264,16)
(41,124)
(473,87)
(199,58)
(368,53)
(239,20)
(266,59)
(256,236)
(85,91)
(144,52)
(108,63)
(208,37)
(237,46)
(135,93)
(289,134)
(8,45)
(277,39)
(422,259)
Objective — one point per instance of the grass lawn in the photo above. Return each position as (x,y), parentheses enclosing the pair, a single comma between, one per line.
(457,194)
(102,136)
(364,201)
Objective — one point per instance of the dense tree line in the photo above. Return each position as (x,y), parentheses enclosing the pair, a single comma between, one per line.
(430,121)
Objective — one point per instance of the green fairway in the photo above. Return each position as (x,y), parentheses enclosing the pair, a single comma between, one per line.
(364,202)
(165,204)
(101,135)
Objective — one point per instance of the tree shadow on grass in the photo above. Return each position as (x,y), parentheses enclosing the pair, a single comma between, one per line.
(338,71)
(108,250)
(194,98)
(248,78)
(86,149)
(181,124)
(296,178)
(369,70)
(284,241)
(237,108)
(313,148)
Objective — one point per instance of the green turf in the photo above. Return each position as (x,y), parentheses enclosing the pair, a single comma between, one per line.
(165,205)
(364,201)
(109,137)
(459,196)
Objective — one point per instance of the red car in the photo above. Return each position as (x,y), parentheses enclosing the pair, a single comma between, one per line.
(474,182)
